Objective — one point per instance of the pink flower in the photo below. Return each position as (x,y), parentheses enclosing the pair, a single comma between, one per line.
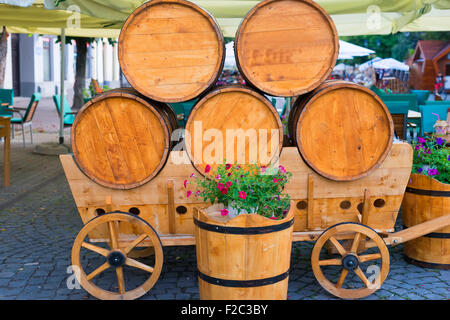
(188,194)
(242,195)
(185,183)
(192,175)
(282,169)
(220,186)
(224,191)
(207,168)
(228,184)
(275,180)
(422,140)
(273,218)
(224,212)
(218,177)
(227,166)
(197,193)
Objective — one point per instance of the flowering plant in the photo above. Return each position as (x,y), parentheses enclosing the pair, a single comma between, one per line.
(432,158)
(244,189)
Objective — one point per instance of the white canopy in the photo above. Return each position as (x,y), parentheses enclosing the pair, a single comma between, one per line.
(390,63)
(348,50)
(368,64)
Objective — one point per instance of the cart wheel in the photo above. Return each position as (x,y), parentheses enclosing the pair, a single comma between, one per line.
(350,261)
(117,256)
(141,253)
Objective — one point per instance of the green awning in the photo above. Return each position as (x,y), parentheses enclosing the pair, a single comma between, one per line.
(105,17)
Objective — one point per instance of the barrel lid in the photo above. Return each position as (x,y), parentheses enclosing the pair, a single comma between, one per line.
(286,47)
(226,117)
(171,50)
(344,131)
(120,140)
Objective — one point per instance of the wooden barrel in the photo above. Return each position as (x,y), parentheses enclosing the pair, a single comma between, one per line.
(171,50)
(286,47)
(236,124)
(243,258)
(166,111)
(343,130)
(120,140)
(426,199)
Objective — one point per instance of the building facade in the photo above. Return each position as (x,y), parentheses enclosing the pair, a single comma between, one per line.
(34,65)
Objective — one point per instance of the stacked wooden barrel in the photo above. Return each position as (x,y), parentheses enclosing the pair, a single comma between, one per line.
(173,51)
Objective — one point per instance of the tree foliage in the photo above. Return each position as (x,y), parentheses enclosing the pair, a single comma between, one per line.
(399,46)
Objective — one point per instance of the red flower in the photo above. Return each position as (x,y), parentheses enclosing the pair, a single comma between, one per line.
(207,168)
(224,212)
(227,166)
(185,183)
(188,193)
(229,174)
(273,218)
(229,183)
(275,180)
(242,195)
(224,191)
(220,186)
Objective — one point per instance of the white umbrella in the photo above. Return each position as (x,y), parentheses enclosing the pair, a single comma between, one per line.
(348,50)
(339,67)
(368,64)
(390,63)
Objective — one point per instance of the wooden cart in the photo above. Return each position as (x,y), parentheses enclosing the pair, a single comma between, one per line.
(352,222)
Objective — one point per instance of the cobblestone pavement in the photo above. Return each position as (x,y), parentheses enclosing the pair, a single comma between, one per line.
(39,222)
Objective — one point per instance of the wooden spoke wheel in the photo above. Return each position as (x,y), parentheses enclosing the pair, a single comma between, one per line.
(118,255)
(350,259)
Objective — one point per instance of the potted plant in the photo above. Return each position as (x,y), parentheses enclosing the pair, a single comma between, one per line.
(244,239)
(427,196)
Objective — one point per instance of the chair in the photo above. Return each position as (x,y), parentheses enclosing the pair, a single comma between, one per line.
(69,116)
(6,100)
(428,119)
(399,112)
(96,86)
(440,102)
(410,98)
(25,116)
(422,96)
(183,109)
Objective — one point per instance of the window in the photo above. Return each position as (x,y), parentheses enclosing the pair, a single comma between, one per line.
(47,57)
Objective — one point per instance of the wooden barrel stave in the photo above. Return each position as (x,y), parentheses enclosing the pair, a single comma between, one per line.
(241,264)
(237,108)
(290,55)
(120,140)
(339,142)
(426,199)
(171,51)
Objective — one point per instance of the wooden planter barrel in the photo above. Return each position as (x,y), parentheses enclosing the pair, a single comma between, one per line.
(246,257)
(425,199)
(120,140)
(233,111)
(343,130)
(286,47)
(171,50)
